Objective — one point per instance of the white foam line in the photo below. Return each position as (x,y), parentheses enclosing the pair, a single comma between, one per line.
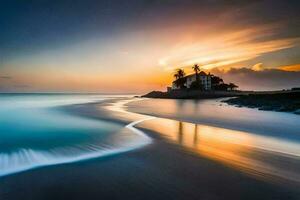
(137,131)
(42,158)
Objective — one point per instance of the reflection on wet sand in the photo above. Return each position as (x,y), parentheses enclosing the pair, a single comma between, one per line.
(265,157)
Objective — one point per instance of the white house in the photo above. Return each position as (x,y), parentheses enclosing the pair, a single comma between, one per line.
(205,80)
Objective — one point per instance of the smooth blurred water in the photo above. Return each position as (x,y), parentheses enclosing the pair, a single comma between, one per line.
(261,143)
(33,132)
(215,113)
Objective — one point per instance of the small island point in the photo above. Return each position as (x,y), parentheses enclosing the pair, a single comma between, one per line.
(202,85)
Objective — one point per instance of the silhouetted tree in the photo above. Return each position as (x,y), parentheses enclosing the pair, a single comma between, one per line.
(232,86)
(180,73)
(196,69)
(176,76)
(197,85)
(216,82)
(222,87)
(180,79)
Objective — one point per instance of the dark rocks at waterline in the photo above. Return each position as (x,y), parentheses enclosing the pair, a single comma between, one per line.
(191,94)
(281,102)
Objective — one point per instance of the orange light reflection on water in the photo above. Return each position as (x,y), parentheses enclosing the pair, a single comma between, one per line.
(265,157)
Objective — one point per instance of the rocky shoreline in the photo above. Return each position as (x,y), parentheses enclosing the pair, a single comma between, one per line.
(281,102)
(192,94)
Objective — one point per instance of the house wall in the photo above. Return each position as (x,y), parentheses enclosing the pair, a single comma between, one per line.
(204,80)
(174,86)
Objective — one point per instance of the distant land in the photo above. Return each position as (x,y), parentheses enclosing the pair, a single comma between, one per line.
(202,85)
(285,101)
(192,94)
(281,101)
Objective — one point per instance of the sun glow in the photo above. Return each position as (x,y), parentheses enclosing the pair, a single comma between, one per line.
(220,50)
(144,59)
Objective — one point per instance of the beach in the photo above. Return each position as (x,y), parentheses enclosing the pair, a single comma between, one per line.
(186,157)
(149,100)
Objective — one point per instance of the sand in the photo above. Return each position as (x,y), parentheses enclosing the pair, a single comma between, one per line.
(161,170)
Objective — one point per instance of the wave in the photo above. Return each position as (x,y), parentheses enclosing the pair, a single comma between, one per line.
(26,159)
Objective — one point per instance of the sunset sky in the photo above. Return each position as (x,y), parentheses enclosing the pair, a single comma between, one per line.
(134,46)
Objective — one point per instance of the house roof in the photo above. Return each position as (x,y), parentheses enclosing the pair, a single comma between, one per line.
(202,73)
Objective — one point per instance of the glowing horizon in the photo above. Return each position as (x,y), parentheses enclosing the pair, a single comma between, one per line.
(133,54)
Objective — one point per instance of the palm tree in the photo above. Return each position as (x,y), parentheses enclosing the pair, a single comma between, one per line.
(215,81)
(176,76)
(196,69)
(179,75)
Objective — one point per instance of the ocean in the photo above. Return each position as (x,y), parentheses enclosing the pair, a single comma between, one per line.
(35,132)
(159,148)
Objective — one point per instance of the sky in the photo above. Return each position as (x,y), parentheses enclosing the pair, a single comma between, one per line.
(134,46)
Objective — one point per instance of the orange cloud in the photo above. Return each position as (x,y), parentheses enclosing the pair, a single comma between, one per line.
(291,67)
(223,49)
(257,67)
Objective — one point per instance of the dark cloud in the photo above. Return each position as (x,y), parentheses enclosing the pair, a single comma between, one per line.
(267,79)
(5,77)
(35,25)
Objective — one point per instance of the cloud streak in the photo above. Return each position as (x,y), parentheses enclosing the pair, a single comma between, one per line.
(134,46)
(225,49)
(295,67)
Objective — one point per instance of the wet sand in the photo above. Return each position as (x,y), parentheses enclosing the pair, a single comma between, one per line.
(161,170)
